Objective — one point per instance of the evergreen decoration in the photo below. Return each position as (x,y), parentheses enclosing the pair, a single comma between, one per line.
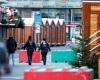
(20,23)
(83,53)
(10,15)
(3,18)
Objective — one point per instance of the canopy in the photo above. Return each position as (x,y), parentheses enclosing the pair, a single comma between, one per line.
(3,1)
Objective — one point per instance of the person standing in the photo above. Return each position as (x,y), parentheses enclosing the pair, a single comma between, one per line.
(30,46)
(11,47)
(44,47)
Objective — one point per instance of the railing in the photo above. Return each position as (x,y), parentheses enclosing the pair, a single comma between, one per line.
(94,34)
(94,40)
(95,47)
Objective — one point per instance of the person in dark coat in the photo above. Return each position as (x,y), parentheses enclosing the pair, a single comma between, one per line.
(30,46)
(11,47)
(44,47)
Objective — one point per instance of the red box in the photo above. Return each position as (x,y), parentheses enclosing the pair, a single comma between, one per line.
(64,74)
(36,57)
(23,56)
(27,75)
(83,75)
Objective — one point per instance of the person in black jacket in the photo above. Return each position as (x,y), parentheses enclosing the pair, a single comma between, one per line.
(11,47)
(30,46)
(44,47)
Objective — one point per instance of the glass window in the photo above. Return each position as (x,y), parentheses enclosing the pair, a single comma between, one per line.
(77,17)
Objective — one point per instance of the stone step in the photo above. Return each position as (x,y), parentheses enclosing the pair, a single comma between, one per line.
(11,78)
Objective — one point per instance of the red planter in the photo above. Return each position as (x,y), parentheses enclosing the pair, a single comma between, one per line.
(62,74)
(23,56)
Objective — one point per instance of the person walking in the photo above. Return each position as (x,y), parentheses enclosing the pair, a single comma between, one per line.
(44,47)
(11,45)
(30,46)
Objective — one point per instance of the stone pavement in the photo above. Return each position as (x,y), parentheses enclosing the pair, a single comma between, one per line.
(18,69)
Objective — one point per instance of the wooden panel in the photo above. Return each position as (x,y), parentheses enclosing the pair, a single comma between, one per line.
(53,34)
(93,23)
(86,19)
(16,34)
(59,32)
(27,33)
(41,32)
(50,34)
(61,35)
(64,35)
(99,68)
(47,31)
(56,34)
(91,20)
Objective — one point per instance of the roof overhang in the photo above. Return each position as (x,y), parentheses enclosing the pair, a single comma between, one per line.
(7,25)
(91,1)
(72,24)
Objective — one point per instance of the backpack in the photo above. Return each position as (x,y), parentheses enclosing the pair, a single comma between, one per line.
(31,45)
(45,47)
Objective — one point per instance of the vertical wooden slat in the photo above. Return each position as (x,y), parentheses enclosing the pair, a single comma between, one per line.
(50,36)
(58,33)
(64,35)
(47,32)
(99,67)
(53,32)
(42,32)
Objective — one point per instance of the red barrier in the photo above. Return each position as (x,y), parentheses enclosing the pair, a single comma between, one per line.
(58,74)
(28,73)
(23,56)
(83,74)
(36,56)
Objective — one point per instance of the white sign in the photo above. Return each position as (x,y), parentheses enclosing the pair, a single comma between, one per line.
(37,28)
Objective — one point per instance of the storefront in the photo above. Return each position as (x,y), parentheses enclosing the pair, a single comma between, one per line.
(73,30)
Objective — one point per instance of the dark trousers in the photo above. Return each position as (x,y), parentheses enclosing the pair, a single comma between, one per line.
(44,54)
(29,54)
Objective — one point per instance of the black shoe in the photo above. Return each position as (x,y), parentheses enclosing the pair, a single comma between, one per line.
(29,63)
(44,63)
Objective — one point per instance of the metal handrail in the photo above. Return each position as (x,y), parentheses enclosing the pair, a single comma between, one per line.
(95,47)
(94,34)
(94,40)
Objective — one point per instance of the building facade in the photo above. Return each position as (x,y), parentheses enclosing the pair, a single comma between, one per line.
(91,18)
(49,8)
(69,10)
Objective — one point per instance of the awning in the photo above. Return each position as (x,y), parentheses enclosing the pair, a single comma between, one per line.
(3,1)
(72,24)
(7,25)
(30,21)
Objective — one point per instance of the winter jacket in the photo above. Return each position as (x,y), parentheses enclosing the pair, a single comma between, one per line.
(44,47)
(11,45)
(30,46)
